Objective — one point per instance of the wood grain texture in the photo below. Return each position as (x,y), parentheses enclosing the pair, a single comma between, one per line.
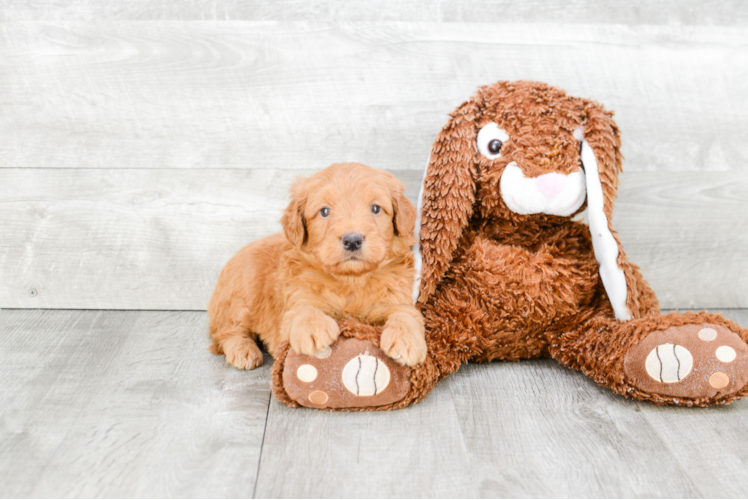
(689,234)
(687,12)
(124,404)
(255,94)
(411,453)
(528,429)
(129,239)
(157,239)
(131,404)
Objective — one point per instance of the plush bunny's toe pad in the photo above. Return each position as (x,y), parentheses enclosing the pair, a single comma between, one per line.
(689,361)
(352,373)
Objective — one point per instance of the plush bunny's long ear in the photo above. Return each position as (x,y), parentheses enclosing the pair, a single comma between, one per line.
(601,158)
(445,203)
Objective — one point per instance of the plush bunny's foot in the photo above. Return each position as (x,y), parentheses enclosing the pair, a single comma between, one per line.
(352,373)
(689,361)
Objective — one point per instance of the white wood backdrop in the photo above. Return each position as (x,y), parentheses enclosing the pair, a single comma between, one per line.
(669,12)
(140,151)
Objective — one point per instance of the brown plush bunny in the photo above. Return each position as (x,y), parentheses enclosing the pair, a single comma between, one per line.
(508,273)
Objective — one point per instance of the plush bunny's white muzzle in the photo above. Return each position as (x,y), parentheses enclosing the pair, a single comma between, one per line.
(552,194)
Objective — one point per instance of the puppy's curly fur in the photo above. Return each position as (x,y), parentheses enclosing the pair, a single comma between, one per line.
(344,253)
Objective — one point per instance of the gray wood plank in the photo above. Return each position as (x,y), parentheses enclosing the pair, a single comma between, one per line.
(129,239)
(528,429)
(157,239)
(255,94)
(687,12)
(124,404)
(411,453)
(693,253)
(121,404)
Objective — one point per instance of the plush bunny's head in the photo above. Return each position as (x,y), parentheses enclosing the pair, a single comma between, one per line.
(520,150)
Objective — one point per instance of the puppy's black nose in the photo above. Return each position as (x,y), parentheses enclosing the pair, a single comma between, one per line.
(352,242)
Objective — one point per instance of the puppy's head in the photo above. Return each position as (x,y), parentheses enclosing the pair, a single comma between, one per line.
(350,218)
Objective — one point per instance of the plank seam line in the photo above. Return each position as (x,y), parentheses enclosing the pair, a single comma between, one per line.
(664,310)
(99,309)
(251,169)
(262,445)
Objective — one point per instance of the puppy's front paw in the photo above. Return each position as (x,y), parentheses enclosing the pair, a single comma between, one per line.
(311,331)
(242,353)
(403,339)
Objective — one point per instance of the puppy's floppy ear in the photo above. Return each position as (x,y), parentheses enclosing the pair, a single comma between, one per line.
(446,199)
(294,224)
(404,217)
(602,159)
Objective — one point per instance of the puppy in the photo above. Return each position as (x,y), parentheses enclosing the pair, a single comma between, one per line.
(344,252)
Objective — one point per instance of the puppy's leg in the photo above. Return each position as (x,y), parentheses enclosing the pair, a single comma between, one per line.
(308,329)
(404,336)
(239,346)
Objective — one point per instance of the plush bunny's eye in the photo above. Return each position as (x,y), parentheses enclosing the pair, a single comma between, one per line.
(490,140)
(494,147)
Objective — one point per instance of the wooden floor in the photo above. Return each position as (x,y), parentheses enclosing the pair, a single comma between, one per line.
(131,404)
(143,142)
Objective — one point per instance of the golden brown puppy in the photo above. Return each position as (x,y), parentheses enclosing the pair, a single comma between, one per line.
(345,252)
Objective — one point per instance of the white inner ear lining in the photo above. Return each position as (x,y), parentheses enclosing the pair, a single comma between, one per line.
(603,242)
(418,259)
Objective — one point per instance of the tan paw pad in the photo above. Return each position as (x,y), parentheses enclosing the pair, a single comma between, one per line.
(324,353)
(669,363)
(719,380)
(707,334)
(725,353)
(306,373)
(365,376)
(318,398)
(689,361)
(352,373)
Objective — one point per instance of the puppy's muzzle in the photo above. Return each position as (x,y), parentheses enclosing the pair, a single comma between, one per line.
(352,242)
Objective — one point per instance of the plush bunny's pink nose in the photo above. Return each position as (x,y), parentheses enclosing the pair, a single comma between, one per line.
(550,184)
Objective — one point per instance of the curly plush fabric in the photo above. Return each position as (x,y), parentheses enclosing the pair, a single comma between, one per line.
(500,285)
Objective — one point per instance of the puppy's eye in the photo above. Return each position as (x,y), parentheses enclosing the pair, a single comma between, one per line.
(324,212)
(376,209)
(490,140)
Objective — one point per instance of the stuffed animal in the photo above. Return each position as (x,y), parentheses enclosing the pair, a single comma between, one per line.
(506,271)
